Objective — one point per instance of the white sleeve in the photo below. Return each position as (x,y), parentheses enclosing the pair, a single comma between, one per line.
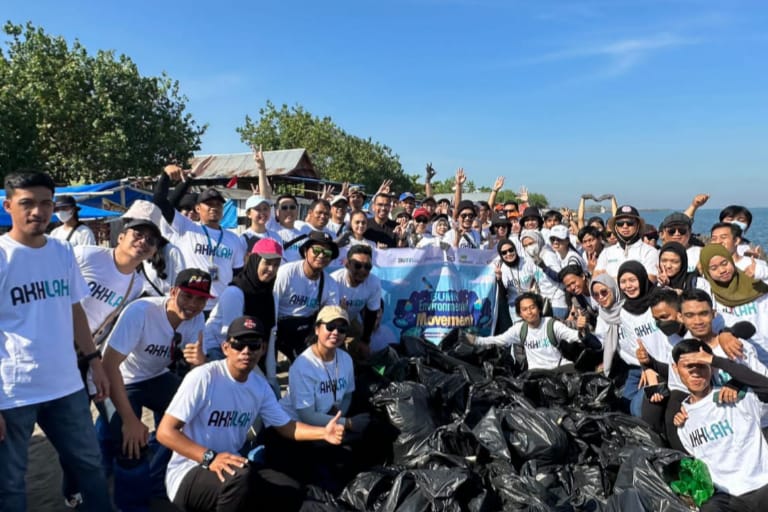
(78,287)
(86,235)
(238,258)
(127,331)
(229,306)
(374,302)
(190,398)
(651,261)
(563,332)
(271,411)
(181,223)
(302,385)
(508,337)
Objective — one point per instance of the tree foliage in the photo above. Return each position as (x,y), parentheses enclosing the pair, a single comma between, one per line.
(336,155)
(82,117)
(534,198)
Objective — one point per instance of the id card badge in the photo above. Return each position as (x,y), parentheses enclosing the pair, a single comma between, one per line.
(214,271)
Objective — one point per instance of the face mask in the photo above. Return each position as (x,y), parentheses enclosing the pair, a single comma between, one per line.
(669,327)
(741,225)
(532,250)
(64,215)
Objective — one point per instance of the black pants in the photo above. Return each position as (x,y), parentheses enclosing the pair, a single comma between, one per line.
(754,501)
(250,488)
(661,415)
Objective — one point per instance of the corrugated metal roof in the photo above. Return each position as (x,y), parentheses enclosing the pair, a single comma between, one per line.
(281,162)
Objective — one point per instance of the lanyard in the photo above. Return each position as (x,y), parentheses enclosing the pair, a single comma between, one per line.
(334,383)
(218,243)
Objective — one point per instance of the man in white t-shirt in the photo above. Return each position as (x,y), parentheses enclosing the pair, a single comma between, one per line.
(338,221)
(206,426)
(727,437)
(150,335)
(361,292)
(40,292)
(463,234)
(205,245)
(628,227)
(71,229)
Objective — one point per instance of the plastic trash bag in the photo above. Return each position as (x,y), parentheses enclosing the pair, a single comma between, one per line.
(369,489)
(694,481)
(532,434)
(648,471)
(406,405)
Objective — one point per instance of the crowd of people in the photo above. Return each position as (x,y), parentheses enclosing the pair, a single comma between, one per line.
(186,318)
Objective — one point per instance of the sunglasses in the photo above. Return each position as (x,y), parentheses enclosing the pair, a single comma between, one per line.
(679,231)
(253,346)
(359,266)
(602,293)
(337,325)
(317,251)
(287,207)
(467,216)
(148,238)
(510,211)
(622,223)
(422,220)
(508,251)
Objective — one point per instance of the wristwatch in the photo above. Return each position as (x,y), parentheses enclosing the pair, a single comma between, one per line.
(208,457)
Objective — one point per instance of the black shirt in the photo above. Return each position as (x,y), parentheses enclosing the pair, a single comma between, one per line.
(382,234)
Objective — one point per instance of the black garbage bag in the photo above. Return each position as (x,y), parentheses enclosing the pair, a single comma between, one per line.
(369,489)
(533,434)
(556,479)
(592,391)
(448,393)
(318,499)
(406,405)
(488,432)
(455,344)
(455,439)
(518,493)
(438,490)
(436,358)
(648,471)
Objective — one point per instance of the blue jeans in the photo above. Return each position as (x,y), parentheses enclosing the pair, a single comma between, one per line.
(67,423)
(632,393)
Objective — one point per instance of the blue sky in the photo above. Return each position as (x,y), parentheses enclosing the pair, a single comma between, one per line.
(651,100)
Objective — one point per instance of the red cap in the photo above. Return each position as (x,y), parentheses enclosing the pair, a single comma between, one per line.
(420,212)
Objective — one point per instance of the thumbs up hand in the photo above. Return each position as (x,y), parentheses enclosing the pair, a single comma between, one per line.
(193,352)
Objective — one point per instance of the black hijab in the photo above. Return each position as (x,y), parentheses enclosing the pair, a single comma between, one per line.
(639,304)
(259,302)
(514,263)
(683,280)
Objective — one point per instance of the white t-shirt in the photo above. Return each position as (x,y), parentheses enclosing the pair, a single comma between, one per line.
(572,258)
(365,295)
(230,305)
(612,257)
(548,287)
(319,385)
(644,328)
(249,235)
(693,253)
(106,284)
(539,349)
(37,355)
(82,235)
(755,312)
(174,263)
(729,441)
(517,279)
(145,336)
(761,267)
(217,412)
(286,235)
(203,247)
(471,240)
(296,295)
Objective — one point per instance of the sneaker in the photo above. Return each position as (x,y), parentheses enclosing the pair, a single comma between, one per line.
(73,501)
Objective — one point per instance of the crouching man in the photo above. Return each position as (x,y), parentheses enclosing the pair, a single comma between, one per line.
(207,422)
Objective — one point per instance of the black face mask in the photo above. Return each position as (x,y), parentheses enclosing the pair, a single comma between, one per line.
(669,327)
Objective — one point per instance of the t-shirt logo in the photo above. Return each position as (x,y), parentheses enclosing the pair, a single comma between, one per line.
(219,252)
(39,290)
(104,294)
(232,419)
(712,432)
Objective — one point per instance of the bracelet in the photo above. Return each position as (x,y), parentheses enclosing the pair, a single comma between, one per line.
(91,356)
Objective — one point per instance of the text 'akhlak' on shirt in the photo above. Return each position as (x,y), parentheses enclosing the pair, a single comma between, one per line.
(39,290)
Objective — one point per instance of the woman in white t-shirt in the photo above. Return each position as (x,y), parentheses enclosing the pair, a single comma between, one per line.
(320,385)
(358,224)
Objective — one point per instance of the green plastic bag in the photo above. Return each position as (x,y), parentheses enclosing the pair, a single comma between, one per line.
(694,481)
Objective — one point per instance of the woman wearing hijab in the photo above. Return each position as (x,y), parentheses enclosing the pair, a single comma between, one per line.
(514,275)
(737,297)
(606,293)
(547,278)
(249,293)
(638,326)
(673,269)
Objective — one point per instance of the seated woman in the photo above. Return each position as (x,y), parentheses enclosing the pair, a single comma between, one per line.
(548,344)
(549,265)
(320,385)
(578,296)
(673,270)
(606,292)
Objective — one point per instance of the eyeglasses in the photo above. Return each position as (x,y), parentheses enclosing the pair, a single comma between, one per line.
(359,266)
(337,325)
(508,251)
(556,241)
(622,223)
(253,346)
(674,230)
(422,220)
(148,238)
(602,293)
(317,251)
(467,216)
(287,207)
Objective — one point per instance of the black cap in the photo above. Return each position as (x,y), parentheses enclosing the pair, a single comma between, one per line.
(246,328)
(319,238)
(500,219)
(627,211)
(137,223)
(676,219)
(195,281)
(188,201)
(65,202)
(531,212)
(210,194)
(466,205)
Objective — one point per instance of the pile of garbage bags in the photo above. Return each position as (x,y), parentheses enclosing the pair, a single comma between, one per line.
(469,431)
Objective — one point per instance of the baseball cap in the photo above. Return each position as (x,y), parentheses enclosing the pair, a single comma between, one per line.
(210,194)
(143,213)
(331,313)
(268,249)
(195,282)
(420,212)
(466,205)
(246,328)
(338,198)
(399,211)
(356,190)
(319,238)
(255,200)
(559,231)
(65,202)
(188,201)
(407,195)
(429,199)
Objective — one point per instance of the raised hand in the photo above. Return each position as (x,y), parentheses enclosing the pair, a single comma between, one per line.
(588,196)
(384,187)
(430,171)
(333,431)
(641,353)
(523,194)
(498,184)
(680,418)
(193,352)
(200,167)
(460,176)
(700,200)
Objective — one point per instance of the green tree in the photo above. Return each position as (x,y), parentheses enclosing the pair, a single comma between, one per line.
(534,198)
(337,155)
(82,117)
(446,186)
